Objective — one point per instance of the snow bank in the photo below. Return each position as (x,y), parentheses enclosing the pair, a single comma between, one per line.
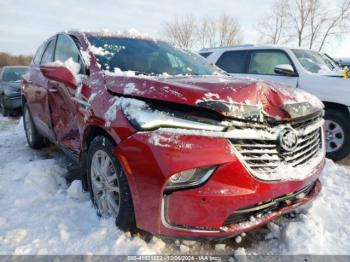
(325,228)
(41,214)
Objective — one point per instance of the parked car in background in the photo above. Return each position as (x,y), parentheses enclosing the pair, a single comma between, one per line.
(344,62)
(162,134)
(305,69)
(10,88)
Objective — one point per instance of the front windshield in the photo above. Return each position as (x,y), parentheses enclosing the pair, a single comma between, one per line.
(147,57)
(315,62)
(14,74)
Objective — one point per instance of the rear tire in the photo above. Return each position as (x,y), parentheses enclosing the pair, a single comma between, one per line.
(108,185)
(34,138)
(337,134)
(3,110)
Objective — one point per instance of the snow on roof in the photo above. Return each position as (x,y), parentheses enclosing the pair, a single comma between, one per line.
(130,33)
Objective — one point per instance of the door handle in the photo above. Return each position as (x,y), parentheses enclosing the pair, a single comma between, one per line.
(52,90)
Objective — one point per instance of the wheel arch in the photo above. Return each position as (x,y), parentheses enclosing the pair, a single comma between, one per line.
(90,133)
(336,106)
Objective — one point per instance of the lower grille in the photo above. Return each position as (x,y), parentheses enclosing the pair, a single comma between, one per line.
(244,214)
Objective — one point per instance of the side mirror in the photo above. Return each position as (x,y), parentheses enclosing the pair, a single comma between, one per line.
(285,69)
(60,74)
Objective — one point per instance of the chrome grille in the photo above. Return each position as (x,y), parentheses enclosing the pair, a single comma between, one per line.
(264,156)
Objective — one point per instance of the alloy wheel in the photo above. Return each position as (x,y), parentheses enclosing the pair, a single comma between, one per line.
(105,185)
(335,136)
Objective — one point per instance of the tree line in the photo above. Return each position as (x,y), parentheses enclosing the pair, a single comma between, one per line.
(188,32)
(312,24)
(8,59)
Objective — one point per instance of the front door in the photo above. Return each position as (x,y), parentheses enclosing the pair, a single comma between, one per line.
(65,117)
(262,65)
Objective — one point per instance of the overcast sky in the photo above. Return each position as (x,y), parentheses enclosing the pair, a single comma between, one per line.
(24,24)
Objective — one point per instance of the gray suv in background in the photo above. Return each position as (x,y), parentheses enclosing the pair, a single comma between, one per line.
(344,62)
(10,89)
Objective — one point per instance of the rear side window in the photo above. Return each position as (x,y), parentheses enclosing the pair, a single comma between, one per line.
(264,62)
(48,54)
(38,54)
(206,54)
(233,61)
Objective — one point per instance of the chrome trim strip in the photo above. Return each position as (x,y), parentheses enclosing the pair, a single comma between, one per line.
(167,225)
(247,133)
(82,102)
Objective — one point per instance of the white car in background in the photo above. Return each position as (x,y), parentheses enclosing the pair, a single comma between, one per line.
(305,69)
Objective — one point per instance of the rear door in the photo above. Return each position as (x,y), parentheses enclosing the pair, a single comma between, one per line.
(36,87)
(234,62)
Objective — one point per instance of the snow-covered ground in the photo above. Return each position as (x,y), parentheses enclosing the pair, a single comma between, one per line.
(41,214)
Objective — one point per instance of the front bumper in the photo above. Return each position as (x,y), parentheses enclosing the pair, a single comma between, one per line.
(13,102)
(149,159)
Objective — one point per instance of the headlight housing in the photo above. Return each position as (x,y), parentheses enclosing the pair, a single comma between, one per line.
(144,117)
(235,110)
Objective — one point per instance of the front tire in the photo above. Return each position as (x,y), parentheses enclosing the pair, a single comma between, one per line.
(108,185)
(3,110)
(337,127)
(34,138)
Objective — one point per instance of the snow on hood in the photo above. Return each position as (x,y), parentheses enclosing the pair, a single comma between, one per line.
(214,91)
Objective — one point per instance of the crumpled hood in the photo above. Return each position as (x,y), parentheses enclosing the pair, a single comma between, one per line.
(203,91)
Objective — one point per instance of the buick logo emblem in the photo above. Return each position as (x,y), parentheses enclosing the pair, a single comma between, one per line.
(288,140)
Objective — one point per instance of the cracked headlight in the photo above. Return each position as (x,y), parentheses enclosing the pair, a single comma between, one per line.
(235,110)
(146,118)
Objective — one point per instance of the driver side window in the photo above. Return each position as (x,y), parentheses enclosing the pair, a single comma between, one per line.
(264,62)
(67,49)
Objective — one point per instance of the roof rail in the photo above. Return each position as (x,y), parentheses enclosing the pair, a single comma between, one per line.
(231,46)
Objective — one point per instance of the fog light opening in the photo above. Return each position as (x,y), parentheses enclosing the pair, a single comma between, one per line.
(189,178)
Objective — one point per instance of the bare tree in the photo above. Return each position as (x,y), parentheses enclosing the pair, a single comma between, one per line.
(205,32)
(338,24)
(308,23)
(317,18)
(229,31)
(272,30)
(299,12)
(181,31)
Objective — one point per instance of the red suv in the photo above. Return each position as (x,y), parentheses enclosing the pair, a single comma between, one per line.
(169,143)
